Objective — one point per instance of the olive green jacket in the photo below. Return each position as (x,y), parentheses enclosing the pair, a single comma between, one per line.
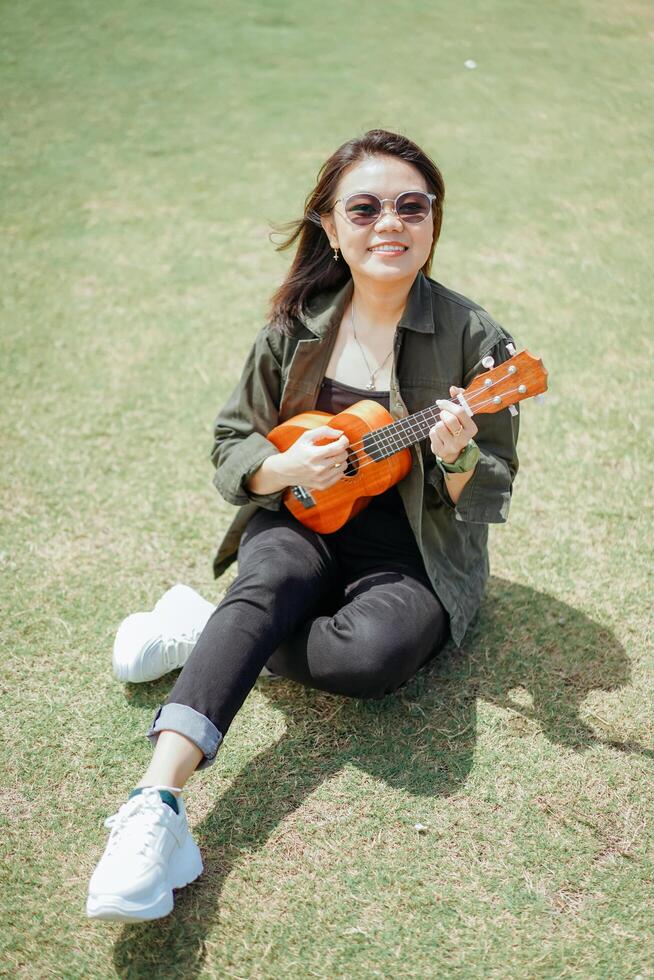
(440,340)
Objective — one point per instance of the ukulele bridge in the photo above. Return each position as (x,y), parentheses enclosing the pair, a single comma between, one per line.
(303,495)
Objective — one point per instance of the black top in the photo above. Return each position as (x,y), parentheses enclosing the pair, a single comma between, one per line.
(335,397)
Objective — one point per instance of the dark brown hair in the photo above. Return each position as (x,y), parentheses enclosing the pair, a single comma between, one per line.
(313,270)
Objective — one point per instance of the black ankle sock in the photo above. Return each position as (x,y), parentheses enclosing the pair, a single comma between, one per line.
(168,798)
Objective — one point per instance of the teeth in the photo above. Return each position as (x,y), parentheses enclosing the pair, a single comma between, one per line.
(388,248)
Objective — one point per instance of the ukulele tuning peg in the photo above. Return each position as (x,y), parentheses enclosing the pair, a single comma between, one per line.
(510,349)
(488,361)
(513,410)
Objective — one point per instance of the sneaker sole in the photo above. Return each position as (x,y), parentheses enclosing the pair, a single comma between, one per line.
(128,675)
(113,908)
(186,866)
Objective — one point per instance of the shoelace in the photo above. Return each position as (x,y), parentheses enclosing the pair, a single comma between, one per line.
(147,808)
(173,646)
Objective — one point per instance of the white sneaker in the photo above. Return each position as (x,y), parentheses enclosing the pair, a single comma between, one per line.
(150,644)
(150,851)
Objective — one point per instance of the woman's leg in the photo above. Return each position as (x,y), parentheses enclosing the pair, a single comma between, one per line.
(286,573)
(174,760)
(390,625)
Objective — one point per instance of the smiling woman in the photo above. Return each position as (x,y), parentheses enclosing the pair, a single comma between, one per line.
(358,611)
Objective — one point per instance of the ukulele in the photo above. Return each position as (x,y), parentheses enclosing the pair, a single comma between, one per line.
(378,453)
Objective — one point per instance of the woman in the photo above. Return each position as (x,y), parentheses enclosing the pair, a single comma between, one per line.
(359,611)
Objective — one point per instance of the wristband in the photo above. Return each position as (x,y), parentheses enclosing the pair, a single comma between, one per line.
(465,461)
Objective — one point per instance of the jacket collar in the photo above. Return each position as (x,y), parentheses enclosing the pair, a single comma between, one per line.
(326,310)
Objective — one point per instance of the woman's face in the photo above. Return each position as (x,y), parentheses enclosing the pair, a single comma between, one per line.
(385,176)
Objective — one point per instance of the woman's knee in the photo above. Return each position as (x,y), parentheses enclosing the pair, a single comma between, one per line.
(281,555)
(370,668)
(268,574)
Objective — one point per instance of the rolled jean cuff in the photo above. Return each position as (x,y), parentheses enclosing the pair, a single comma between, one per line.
(187,721)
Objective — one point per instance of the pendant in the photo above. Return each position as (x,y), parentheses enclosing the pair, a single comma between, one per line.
(371,386)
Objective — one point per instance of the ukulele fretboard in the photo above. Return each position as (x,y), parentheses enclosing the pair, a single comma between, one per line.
(400,434)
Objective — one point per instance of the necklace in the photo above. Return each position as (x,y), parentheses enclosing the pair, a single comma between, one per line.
(371,385)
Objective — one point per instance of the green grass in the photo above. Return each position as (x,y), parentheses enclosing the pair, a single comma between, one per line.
(146,149)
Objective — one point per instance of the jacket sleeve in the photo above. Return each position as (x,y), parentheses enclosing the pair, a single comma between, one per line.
(240,444)
(486,497)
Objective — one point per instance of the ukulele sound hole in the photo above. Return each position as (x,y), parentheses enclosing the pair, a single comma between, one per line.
(352,466)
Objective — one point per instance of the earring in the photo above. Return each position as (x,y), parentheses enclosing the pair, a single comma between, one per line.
(336,255)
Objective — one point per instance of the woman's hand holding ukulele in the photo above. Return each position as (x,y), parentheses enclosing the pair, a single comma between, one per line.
(306,464)
(450,436)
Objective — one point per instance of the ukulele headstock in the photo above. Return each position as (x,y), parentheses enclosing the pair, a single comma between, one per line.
(522,376)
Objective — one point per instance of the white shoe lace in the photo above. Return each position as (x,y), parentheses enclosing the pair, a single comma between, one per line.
(146,808)
(175,649)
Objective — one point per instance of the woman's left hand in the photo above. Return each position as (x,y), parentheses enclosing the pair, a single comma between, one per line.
(454,430)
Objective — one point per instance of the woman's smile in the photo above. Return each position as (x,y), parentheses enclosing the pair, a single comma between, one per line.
(389,248)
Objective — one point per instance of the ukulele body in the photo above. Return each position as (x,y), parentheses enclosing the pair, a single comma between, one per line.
(328,510)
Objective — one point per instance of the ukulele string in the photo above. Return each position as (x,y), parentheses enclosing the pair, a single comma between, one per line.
(414,427)
(424,412)
(372,459)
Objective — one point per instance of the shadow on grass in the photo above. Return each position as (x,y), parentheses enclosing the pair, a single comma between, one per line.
(527,652)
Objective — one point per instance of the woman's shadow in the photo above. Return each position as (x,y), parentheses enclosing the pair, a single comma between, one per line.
(526,652)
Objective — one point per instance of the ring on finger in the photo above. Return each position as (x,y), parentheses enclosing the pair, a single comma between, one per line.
(458,432)
(337,466)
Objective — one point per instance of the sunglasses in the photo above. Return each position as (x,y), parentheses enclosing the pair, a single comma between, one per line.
(365,209)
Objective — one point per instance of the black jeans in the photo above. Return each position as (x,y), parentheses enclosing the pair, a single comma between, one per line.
(352,613)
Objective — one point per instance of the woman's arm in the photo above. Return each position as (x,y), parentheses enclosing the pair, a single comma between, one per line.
(484,496)
(240,445)
(304,463)
(455,482)
(268,478)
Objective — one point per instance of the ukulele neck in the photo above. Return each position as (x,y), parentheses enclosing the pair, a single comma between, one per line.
(522,376)
(390,439)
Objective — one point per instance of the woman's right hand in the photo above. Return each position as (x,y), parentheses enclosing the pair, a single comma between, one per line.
(306,464)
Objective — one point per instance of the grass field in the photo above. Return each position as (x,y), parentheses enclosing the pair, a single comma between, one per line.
(146,149)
